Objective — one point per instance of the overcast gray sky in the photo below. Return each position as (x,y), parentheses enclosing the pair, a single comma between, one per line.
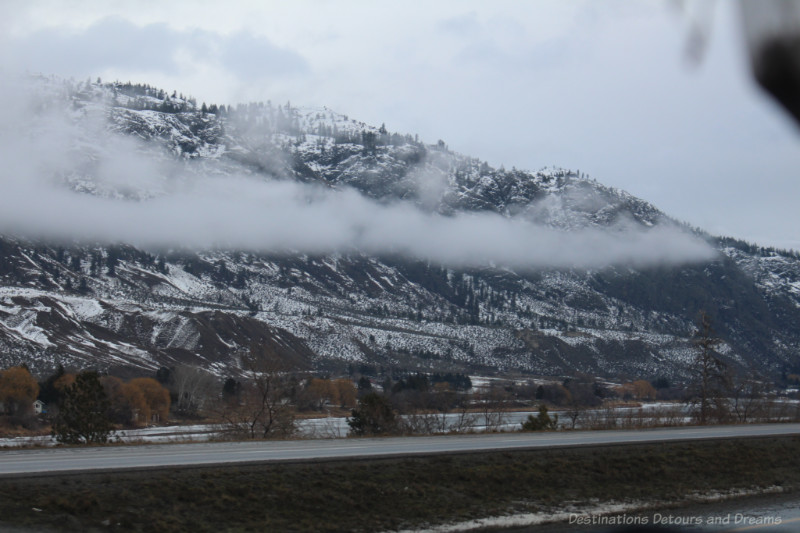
(601,87)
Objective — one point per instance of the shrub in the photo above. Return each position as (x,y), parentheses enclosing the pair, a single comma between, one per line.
(541,422)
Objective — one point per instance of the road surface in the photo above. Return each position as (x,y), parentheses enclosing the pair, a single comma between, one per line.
(59,460)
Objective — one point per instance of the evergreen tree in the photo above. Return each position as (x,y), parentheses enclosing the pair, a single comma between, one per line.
(83,414)
(231,389)
(48,392)
(711,382)
(541,422)
(373,416)
(111,262)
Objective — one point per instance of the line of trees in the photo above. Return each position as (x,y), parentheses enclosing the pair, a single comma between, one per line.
(263,401)
(715,394)
(83,406)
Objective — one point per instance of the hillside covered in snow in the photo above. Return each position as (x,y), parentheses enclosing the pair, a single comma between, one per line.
(141,230)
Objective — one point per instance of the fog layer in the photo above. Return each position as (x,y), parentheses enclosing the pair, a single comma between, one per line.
(61,182)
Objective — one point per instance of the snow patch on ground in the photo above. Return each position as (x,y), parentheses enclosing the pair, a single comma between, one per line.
(602,514)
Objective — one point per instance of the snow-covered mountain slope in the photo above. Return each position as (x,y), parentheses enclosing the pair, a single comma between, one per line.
(122,307)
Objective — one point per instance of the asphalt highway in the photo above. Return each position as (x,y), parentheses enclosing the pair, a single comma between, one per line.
(15,462)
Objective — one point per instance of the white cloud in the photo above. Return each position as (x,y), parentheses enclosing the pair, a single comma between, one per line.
(114,44)
(602,87)
(43,150)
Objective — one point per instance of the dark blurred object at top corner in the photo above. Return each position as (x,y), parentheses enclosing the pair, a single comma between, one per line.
(772,34)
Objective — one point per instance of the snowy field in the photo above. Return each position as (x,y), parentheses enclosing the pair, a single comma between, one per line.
(648,415)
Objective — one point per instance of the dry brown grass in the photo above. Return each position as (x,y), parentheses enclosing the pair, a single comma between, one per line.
(381,494)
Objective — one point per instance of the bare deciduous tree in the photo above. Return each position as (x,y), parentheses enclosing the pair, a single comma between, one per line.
(263,408)
(192,387)
(580,397)
(493,404)
(18,390)
(748,399)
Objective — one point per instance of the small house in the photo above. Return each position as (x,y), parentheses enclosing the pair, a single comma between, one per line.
(39,407)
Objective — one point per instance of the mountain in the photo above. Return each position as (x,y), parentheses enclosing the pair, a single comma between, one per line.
(130,307)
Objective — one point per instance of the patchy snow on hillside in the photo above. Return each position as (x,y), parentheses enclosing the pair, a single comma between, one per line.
(137,145)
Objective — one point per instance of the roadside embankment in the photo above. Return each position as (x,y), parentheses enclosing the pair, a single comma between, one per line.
(396,493)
